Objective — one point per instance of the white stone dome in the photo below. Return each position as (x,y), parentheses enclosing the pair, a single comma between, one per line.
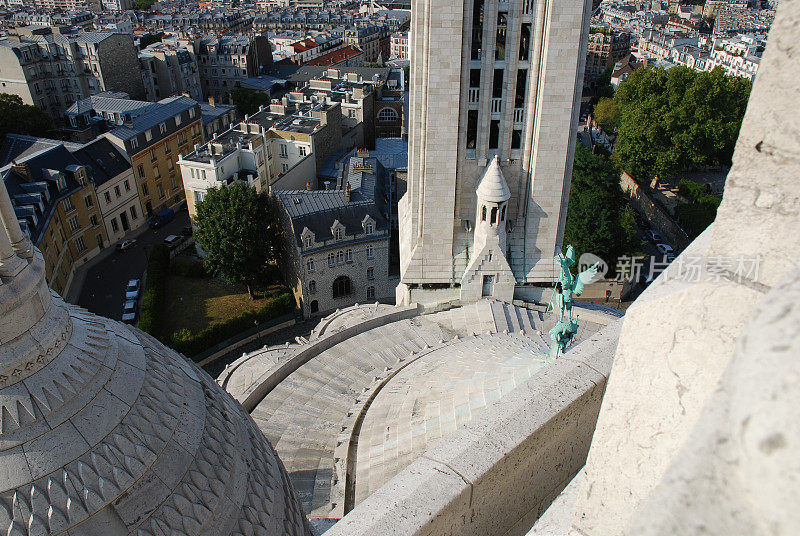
(104,431)
(493,187)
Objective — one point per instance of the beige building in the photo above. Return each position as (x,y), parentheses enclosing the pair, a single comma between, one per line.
(52,69)
(513,97)
(169,70)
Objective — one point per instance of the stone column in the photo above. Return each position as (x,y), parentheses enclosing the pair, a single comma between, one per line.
(20,242)
(10,263)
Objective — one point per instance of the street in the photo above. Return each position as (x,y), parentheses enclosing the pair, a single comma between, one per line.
(103,288)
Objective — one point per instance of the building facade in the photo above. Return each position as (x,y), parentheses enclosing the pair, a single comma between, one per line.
(168,71)
(399,46)
(225,61)
(53,70)
(604,49)
(512,97)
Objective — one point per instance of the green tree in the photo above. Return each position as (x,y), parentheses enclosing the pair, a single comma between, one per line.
(596,217)
(19,118)
(233,228)
(247,102)
(606,114)
(677,119)
(143,5)
(148,39)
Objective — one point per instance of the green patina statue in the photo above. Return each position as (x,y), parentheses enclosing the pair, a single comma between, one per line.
(567,286)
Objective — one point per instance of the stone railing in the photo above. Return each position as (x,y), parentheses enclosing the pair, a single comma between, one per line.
(497,474)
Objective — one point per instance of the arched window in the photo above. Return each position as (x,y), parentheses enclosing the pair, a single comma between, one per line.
(370,251)
(388,114)
(338,233)
(342,286)
(339,257)
(313,307)
(331,260)
(370,273)
(348,255)
(312,286)
(494,215)
(483,213)
(309,241)
(369,228)
(503,214)
(370,292)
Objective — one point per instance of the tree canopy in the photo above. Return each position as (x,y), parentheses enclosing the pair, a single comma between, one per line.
(19,118)
(677,119)
(606,114)
(233,228)
(598,219)
(247,102)
(149,38)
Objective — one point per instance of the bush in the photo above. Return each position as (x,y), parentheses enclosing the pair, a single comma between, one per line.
(691,191)
(187,267)
(695,217)
(191,345)
(150,319)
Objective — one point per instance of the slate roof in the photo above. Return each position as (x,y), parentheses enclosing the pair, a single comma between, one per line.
(17,146)
(103,160)
(169,107)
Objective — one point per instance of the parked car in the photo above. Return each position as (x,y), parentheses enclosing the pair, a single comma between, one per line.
(665,249)
(129,312)
(187,231)
(172,241)
(125,245)
(132,290)
(654,237)
(161,218)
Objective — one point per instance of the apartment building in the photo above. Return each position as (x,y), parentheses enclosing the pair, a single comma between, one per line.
(739,55)
(399,46)
(57,208)
(153,137)
(335,242)
(169,70)
(657,44)
(52,68)
(225,61)
(605,48)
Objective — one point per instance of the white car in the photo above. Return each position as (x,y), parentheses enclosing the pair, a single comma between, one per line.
(132,290)
(173,240)
(129,312)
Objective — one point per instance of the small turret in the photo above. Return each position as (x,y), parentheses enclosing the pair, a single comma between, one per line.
(493,195)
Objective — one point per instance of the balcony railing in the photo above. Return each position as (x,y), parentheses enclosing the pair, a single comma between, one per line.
(474,94)
(519,115)
(497,105)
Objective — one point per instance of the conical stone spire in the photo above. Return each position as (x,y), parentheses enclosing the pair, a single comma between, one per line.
(492,186)
(105,431)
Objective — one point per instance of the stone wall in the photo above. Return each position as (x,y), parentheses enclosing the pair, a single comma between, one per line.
(498,473)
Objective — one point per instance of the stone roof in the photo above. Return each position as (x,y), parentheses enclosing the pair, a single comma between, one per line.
(492,186)
(104,430)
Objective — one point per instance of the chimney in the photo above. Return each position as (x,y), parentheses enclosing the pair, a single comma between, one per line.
(211,100)
(347,193)
(22,169)
(308,185)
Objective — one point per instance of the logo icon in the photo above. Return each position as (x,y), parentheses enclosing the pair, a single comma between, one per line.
(587,260)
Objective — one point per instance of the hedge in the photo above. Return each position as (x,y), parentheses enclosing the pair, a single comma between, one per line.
(150,319)
(192,344)
(691,191)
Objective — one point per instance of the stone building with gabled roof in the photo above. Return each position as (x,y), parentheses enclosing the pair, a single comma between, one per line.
(335,242)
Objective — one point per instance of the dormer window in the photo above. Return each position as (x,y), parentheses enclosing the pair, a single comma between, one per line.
(61,183)
(309,241)
(369,225)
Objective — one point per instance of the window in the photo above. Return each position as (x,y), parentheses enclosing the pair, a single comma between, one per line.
(483,213)
(107,197)
(370,273)
(342,286)
(331,260)
(133,213)
(284,150)
(500,40)
(80,244)
(477,29)
(474,78)
(93,220)
(114,225)
(312,286)
(148,135)
(370,293)
(160,192)
(351,114)
(516,139)
(310,265)
(494,215)
(73,224)
(174,181)
(369,228)
(313,306)
(370,251)
(116,191)
(524,41)
(302,150)
(497,84)
(339,257)
(472,128)
(494,134)
(127,185)
(348,255)
(337,233)
(68,206)
(88,201)
(140,170)
(152,155)
(162,128)
(134,143)
(145,191)
(388,114)
(167,150)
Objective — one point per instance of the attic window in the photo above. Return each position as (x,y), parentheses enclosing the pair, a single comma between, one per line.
(297,200)
(338,233)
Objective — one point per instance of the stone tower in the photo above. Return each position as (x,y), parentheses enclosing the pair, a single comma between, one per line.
(488,272)
(491,79)
(106,432)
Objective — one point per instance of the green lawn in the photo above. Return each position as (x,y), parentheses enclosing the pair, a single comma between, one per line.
(194,303)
